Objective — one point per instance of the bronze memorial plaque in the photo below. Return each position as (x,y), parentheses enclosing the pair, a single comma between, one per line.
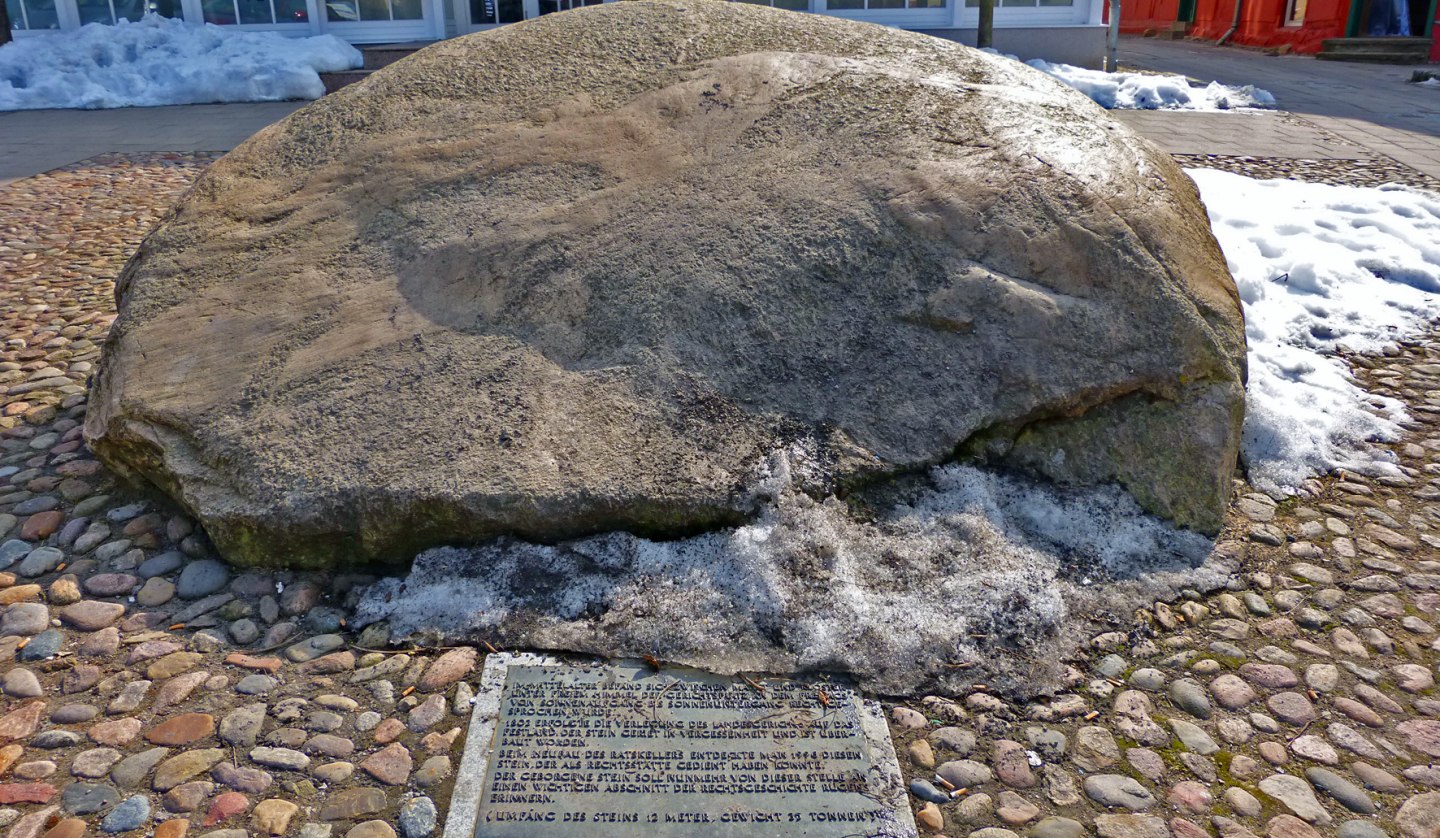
(622,749)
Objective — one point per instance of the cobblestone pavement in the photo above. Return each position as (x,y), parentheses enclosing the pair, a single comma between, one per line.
(149,687)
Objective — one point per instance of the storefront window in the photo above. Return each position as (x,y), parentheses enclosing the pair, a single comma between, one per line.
(791,5)
(291,11)
(94,11)
(551,6)
(488,12)
(885,5)
(32,14)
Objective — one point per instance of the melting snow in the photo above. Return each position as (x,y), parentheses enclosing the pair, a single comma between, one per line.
(161,61)
(977,574)
(1145,91)
(1320,267)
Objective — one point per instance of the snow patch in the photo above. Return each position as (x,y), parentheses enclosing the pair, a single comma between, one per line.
(1145,91)
(162,61)
(1319,267)
(976,575)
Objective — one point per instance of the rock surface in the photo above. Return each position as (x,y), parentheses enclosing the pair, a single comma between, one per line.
(600,300)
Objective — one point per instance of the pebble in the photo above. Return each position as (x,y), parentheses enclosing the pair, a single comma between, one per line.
(178,769)
(182,730)
(91,615)
(418,818)
(1292,707)
(273,816)
(1419,817)
(131,771)
(246,779)
(283,758)
(427,714)
(371,829)
(1345,792)
(43,646)
(21,683)
(391,765)
(129,815)
(162,564)
(1296,796)
(352,803)
(314,647)
(1190,697)
(87,798)
(155,592)
(24,619)
(1118,791)
(40,561)
(1193,737)
(94,763)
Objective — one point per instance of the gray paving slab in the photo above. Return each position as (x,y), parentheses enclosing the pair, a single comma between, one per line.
(36,141)
(1328,110)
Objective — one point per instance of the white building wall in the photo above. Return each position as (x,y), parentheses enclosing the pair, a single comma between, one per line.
(1069,33)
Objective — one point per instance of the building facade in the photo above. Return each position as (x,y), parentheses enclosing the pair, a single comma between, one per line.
(1058,30)
(1300,25)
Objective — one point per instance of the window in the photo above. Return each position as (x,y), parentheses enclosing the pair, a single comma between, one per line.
(353,11)
(1295,13)
(792,5)
(487,12)
(253,11)
(111,11)
(1010,4)
(32,14)
(551,6)
(882,5)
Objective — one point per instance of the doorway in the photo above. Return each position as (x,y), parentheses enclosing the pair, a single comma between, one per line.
(1395,18)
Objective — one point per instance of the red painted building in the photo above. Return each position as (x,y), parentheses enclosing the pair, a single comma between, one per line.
(1302,25)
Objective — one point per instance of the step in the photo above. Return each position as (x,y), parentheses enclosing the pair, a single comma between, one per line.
(1365,44)
(1374,57)
(1415,50)
(383,55)
(335,81)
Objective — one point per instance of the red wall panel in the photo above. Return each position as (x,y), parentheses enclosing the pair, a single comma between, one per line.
(1261,21)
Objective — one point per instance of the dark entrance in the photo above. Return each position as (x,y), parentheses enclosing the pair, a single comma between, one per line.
(1394,18)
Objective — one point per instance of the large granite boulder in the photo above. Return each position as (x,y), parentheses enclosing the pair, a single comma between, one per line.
(587,273)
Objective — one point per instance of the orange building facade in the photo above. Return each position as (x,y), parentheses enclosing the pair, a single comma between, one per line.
(1302,25)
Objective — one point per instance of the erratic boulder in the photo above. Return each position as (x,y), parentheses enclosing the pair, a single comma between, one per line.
(588,273)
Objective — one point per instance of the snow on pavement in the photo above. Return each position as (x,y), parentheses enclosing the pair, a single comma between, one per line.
(160,61)
(1145,91)
(1319,267)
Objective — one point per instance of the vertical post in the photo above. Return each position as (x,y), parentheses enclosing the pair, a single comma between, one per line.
(985,34)
(4,24)
(1112,38)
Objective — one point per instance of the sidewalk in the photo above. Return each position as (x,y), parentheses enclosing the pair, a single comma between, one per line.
(32,142)
(1327,110)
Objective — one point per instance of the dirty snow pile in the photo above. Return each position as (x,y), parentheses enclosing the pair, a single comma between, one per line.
(1320,267)
(977,574)
(1144,91)
(161,61)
